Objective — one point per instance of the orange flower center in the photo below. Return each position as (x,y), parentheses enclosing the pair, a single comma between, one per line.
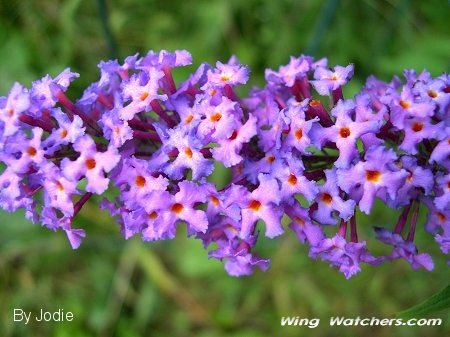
(31,151)
(177,208)
(432,93)
(59,186)
(143,96)
(373,176)
(233,135)
(298,134)
(416,127)
(441,217)
(189,118)
(326,198)
(152,215)
(214,200)
(300,221)
(64,133)
(254,205)
(188,152)
(292,179)
(404,104)
(224,78)
(215,117)
(270,159)
(140,181)
(344,132)
(90,163)
(410,177)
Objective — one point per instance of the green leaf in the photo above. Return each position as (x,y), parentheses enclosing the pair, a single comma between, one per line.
(437,302)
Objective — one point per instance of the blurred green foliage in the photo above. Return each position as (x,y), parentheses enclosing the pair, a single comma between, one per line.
(128,288)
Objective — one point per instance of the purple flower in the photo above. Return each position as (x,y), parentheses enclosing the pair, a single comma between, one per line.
(327,80)
(116,130)
(181,206)
(164,59)
(405,106)
(75,236)
(239,261)
(220,120)
(263,105)
(188,113)
(58,190)
(67,132)
(137,183)
(23,153)
(270,137)
(91,164)
(229,150)
(368,110)
(443,239)
(243,263)
(442,200)
(303,225)
(288,153)
(111,75)
(344,255)
(418,180)
(298,136)
(227,202)
(188,156)
(150,219)
(434,90)
(11,108)
(270,164)
(288,74)
(441,153)
(372,177)
(262,205)
(418,129)
(329,201)
(345,133)
(435,218)
(141,89)
(189,88)
(404,249)
(444,242)
(289,174)
(222,231)
(12,194)
(44,91)
(51,220)
(231,73)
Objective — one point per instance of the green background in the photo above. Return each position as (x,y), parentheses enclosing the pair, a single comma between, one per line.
(129,288)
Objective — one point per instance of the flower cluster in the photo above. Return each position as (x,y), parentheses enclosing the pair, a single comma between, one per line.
(295,148)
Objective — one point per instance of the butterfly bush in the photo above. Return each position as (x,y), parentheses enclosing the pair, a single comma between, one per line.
(301,156)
